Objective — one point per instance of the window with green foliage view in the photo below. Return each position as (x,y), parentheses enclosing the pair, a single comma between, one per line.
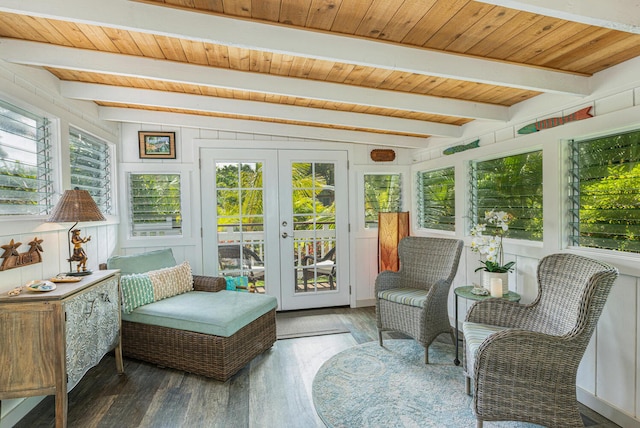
(382,193)
(437,199)
(605,192)
(155,204)
(512,184)
(91,167)
(26,172)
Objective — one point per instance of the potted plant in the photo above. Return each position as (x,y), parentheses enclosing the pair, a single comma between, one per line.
(490,247)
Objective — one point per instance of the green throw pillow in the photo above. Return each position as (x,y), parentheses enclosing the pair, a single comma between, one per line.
(137,290)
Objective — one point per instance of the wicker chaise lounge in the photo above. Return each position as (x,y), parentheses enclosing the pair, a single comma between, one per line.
(208,331)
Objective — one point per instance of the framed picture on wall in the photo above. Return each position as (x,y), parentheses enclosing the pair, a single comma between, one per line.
(157,145)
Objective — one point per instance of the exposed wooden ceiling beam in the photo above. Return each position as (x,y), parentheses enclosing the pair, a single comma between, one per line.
(146,97)
(127,115)
(47,55)
(134,16)
(621,15)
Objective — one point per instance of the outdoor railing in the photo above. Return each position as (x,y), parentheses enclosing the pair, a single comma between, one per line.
(307,243)
(303,239)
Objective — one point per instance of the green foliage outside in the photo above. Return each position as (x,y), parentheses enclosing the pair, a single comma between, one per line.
(18,187)
(90,167)
(382,193)
(240,202)
(25,170)
(155,197)
(313,195)
(609,193)
(437,205)
(239,196)
(512,184)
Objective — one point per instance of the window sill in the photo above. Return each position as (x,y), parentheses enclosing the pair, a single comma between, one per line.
(627,263)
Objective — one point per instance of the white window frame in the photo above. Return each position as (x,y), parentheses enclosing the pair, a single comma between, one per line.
(402,178)
(470,190)
(186,195)
(419,199)
(153,232)
(357,203)
(570,203)
(53,154)
(107,182)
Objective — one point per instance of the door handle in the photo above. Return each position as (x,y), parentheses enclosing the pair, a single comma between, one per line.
(285,234)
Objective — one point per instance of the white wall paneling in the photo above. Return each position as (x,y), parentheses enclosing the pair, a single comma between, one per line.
(616,355)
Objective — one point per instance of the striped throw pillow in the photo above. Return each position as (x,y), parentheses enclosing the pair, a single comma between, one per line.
(137,290)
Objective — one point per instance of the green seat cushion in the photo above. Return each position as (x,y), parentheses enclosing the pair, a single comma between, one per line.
(141,263)
(405,296)
(475,334)
(220,314)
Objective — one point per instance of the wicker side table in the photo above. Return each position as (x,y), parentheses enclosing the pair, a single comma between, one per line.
(465,293)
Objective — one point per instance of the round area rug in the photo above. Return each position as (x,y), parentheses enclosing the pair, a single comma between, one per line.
(390,386)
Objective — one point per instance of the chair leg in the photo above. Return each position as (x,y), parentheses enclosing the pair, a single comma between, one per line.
(426,355)
(380,336)
(467,385)
(478,423)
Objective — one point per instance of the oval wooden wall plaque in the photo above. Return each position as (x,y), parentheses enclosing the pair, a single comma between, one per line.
(382,155)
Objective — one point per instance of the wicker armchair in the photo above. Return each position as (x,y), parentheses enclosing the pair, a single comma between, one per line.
(524,358)
(414,299)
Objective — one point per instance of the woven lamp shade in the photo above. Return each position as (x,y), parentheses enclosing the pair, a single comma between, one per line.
(76,205)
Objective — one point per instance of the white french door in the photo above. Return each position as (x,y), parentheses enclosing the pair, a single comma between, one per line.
(278,218)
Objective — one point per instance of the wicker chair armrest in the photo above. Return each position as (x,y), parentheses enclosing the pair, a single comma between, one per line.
(209,283)
(499,312)
(531,358)
(439,290)
(387,280)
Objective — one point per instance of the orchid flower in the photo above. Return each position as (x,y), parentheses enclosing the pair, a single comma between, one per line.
(491,246)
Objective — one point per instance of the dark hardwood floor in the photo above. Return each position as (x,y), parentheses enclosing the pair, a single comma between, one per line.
(273,391)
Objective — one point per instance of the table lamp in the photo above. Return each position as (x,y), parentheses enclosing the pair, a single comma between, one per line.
(76,205)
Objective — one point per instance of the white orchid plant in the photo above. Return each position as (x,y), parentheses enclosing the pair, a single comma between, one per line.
(490,247)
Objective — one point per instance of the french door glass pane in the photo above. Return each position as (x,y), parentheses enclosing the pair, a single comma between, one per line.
(240,219)
(313,199)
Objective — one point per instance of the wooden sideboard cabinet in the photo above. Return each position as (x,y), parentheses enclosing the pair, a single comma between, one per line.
(49,340)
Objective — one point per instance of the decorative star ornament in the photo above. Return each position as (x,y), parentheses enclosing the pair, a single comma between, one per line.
(10,249)
(35,244)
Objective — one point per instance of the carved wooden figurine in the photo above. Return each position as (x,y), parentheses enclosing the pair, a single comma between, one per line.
(78,252)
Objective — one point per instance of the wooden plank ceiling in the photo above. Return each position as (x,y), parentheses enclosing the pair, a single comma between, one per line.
(465,30)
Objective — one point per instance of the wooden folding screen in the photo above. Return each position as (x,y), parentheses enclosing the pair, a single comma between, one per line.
(392,227)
